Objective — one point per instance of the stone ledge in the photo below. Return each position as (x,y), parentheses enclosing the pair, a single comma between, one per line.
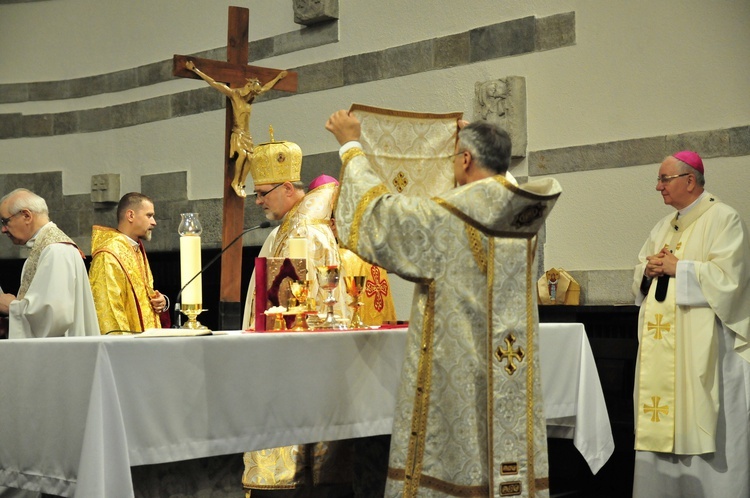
(504,39)
(638,151)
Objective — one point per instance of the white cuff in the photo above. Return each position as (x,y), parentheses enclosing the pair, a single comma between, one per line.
(349,145)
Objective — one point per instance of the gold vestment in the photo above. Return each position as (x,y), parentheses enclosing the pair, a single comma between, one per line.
(327,462)
(377,297)
(121,282)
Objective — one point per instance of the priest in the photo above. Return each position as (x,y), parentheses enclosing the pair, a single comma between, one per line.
(275,170)
(692,388)
(54,298)
(121,278)
(469,417)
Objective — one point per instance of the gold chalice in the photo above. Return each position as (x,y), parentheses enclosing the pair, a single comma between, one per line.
(328,279)
(300,289)
(354,287)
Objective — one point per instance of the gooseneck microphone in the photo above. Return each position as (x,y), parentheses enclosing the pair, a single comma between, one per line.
(177,319)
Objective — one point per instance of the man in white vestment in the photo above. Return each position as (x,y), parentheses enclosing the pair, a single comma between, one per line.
(469,416)
(54,298)
(692,385)
(324,467)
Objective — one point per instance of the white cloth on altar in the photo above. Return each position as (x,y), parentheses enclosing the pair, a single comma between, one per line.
(58,301)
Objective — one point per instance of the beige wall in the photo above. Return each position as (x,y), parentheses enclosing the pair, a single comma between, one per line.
(637,69)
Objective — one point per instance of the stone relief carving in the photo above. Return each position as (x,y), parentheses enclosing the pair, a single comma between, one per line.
(309,12)
(503,102)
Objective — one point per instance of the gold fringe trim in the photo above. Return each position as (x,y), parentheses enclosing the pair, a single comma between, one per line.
(365,201)
(490,271)
(477,248)
(456,489)
(530,351)
(415,452)
(406,114)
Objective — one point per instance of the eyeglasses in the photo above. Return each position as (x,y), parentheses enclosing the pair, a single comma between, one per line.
(664,179)
(5,221)
(461,153)
(261,195)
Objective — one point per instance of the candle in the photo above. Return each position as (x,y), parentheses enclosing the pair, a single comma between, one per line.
(297,247)
(190,266)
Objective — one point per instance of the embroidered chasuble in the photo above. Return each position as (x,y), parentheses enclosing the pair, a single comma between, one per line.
(678,379)
(316,463)
(411,152)
(54,298)
(121,282)
(376,296)
(469,416)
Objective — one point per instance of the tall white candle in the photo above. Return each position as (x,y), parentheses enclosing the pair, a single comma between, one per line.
(190,265)
(298,247)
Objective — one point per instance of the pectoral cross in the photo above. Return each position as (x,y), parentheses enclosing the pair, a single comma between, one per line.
(510,355)
(235,73)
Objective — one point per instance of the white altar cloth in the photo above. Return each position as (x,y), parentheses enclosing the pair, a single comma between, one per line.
(77,413)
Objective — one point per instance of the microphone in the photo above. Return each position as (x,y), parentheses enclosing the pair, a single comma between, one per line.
(177,319)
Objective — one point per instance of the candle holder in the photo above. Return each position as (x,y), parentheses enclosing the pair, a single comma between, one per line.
(191,311)
(190,230)
(328,279)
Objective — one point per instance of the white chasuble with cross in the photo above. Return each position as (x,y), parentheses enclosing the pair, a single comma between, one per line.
(676,394)
(469,416)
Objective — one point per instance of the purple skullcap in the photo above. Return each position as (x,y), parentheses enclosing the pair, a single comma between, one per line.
(322,180)
(690,158)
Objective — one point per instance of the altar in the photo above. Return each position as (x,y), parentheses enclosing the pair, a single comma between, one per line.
(77,413)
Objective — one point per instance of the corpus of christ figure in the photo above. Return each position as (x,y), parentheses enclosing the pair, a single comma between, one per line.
(241,143)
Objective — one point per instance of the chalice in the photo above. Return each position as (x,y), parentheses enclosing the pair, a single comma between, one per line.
(354,287)
(299,289)
(328,279)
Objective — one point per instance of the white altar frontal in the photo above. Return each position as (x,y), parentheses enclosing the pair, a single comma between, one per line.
(77,413)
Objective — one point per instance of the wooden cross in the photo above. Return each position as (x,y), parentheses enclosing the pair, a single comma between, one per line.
(234,72)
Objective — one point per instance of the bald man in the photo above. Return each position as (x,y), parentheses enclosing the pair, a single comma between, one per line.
(54,298)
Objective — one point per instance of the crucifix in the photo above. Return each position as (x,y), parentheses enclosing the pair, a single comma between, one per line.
(242,78)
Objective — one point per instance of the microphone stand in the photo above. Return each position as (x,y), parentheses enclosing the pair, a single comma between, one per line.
(178,319)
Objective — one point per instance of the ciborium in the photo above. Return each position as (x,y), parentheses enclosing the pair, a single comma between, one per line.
(300,289)
(328,279)
(354,287)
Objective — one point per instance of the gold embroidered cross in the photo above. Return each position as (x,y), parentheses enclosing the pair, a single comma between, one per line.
(658,327)
(400,181)
(655,409)
(510,355)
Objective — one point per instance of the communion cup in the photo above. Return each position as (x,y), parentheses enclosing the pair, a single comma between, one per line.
(354,287)
(300,289)
(328,279)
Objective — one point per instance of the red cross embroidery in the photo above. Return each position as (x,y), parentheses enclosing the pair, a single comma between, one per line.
(376,287)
